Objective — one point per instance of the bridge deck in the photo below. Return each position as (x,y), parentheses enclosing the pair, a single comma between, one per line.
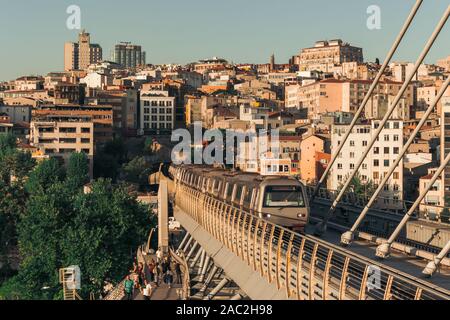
(407,264)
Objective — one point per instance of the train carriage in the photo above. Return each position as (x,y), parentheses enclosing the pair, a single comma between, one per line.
(280,200)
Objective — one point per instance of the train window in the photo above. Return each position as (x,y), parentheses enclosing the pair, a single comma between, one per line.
(229,191)
(238,193)
(284,196)
(210,185)
(217,187)
(253,198)
(247,196)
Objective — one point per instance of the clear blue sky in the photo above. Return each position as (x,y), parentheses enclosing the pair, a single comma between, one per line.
(180,31)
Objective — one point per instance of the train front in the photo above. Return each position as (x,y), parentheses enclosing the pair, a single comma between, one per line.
(284,202)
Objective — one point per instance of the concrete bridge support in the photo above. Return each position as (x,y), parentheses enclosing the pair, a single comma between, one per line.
(163,218)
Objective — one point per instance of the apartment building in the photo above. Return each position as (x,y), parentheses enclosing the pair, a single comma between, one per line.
(125,108)
(157,112)
(326,54)
(61,135)
(444,63)
(29,83)
(378,105)
(68,93)
(377,162)
(101,116)
(331,95)
(445,149)
(129,55)
(17,113)
(311,147)
(431,205)
(206,65)
(78,56)
(258,155)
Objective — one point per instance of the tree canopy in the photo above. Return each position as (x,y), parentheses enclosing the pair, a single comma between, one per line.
(56,225)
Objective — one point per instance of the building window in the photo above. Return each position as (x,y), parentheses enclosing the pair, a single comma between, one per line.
(386,163)
(376,175)
(376,163)
(352,143)
(339,165)
(386,150)
(396,137)
(376,150)
(386,137)
(396,175)
(364,143)
(396,150)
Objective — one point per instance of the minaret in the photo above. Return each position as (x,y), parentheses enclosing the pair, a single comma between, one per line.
(272,62)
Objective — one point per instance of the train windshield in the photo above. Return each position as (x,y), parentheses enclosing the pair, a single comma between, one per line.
(284,196)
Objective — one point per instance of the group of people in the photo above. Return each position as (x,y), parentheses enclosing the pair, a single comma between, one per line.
(163,269)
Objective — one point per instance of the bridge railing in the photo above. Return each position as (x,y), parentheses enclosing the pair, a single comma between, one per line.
(426,211)
(304,266)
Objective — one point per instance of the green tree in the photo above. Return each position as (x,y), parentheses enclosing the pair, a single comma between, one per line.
(109,159)
(137,171)
(359,187)
(108,226)
(14,167)
(97,231)
(78,170)
(45,174)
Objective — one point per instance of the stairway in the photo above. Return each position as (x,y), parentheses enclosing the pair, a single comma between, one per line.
(66,279)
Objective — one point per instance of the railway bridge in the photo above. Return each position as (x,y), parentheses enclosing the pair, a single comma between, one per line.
(233,254)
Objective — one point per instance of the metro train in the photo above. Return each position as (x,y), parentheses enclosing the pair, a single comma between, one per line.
(280,200)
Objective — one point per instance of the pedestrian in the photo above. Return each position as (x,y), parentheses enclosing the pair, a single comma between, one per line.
(166,265)
(134,269)
(151,268)
(178,272)
(141,274)
(160,273)
(168,278)
(159,256)
(147,290)
(128,288)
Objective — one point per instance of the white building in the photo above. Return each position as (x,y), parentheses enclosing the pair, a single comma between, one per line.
(257,116)
(97,80)
(377,163)
(157,112)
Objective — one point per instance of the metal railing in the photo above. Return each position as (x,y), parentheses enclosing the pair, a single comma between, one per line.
(180,258)
(304,266)
(358,200)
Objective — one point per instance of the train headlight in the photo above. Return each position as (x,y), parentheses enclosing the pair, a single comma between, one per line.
(301,215)
(267,215)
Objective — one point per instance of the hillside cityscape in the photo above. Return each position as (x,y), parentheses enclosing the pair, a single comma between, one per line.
(79,148)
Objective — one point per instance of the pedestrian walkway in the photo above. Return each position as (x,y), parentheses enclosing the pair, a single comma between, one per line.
(161,292)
